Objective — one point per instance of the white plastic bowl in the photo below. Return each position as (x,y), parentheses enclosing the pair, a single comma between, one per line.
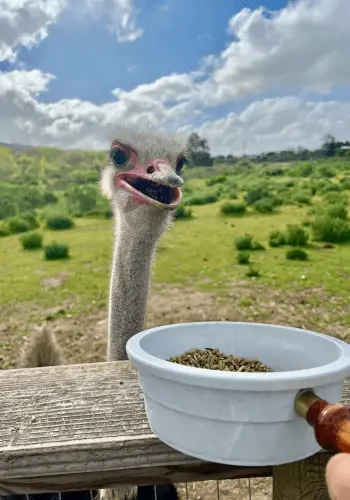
(237,418)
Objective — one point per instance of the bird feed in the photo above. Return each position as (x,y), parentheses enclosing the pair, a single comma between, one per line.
(214,359)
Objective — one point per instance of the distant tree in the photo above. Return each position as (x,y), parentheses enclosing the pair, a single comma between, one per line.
(198,151)
(329,146)
(302,153)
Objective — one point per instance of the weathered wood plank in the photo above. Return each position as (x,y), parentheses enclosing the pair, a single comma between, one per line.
(71,427)
(303,480)
(198,471)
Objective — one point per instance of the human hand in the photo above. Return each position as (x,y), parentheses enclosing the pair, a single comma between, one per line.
(338,476)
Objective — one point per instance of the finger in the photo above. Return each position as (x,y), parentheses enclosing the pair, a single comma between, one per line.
(338,477)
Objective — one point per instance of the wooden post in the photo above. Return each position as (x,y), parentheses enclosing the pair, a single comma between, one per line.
(303,480)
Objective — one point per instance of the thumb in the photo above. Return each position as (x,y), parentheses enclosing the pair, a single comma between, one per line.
(338,477)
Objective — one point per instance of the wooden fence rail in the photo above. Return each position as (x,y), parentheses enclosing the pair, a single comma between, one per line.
(84,427)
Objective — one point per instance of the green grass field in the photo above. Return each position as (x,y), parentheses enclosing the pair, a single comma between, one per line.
(198,252)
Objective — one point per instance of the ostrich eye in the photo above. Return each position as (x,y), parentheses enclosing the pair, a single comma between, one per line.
(181,161)
(119,157)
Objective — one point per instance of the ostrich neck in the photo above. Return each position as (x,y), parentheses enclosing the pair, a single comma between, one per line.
(132,261)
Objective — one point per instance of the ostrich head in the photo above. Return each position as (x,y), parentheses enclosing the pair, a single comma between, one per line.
(142,176)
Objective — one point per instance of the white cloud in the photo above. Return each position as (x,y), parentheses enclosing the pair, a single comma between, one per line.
(25,23)
(121,15)
(82,124)
(268,124)
(305,45)
(175,87)
(275,124)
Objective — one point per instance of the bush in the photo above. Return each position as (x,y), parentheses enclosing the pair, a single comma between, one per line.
(4,231)
(183,213)
(18,225)
(331,230)
(296,254)
(256,246)
(326,172)
(345,183)
(56,251)
(337,211)
(333,198)
(229,208)
(217,179)
(59,222)
(204,199)
(232,194)
(108,213)
(243,257)
(31,241)
(31,219)
(244,242)
(255,195)
(253,272)
(277,238)
(301,199)
(296,236)
(330,187)
(265,205)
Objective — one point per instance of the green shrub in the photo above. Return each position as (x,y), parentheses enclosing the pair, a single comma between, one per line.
(4,231)
(183,212)
(59,222)
(56,251)
(255,195)
(235,209)
(330,230)
(333,198)
(31,219)
(18,225)
(296,236)
(256,246)
(296,254)
(330,186)
(204,199)
(325,171)
(31,241)
(232,194)
(301,199)
(345,183)
(277,238)
(108,214)
(304,169)
(337,211)
(244,242)
(243,257)
(253,272)
(265,205)
(217,179)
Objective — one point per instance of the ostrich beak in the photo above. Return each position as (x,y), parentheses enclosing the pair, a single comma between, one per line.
(165,176)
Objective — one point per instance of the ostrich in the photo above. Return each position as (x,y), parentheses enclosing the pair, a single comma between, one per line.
(142,180)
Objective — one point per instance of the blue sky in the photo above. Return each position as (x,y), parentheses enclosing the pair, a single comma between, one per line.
(89,62)
(277,73)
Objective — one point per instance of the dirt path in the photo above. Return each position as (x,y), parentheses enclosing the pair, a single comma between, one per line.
(169,305)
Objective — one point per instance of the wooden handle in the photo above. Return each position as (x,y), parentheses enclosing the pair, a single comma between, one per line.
(331,422)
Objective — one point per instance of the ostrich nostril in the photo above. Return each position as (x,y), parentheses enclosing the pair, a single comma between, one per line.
(150,169)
